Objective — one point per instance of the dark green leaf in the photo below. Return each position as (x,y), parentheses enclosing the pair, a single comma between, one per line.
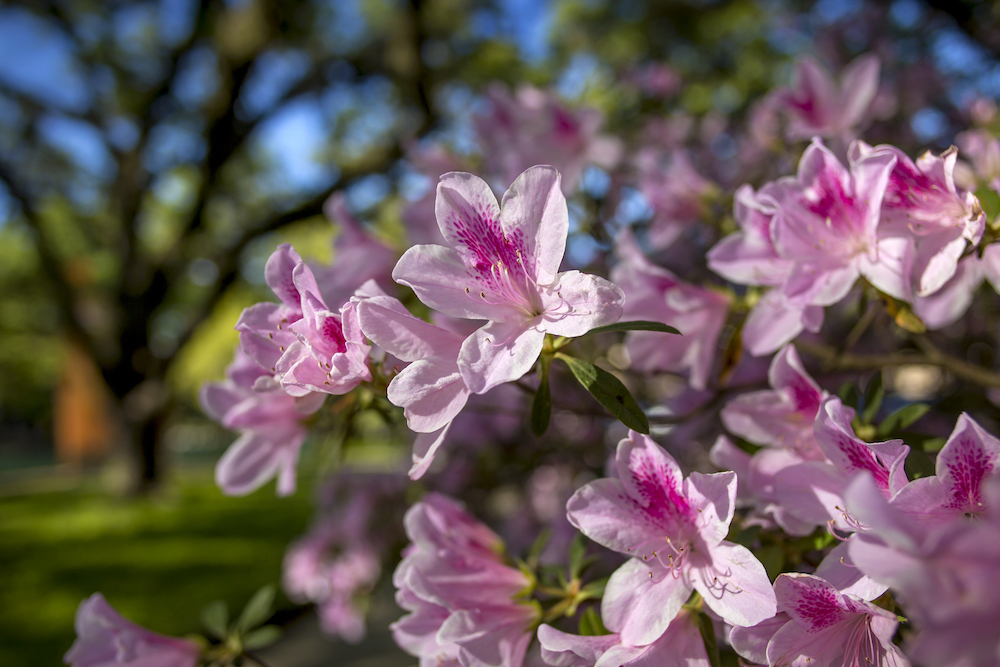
(538,547)
(577,554)
(772,557)
(609,391)
(590,623)
(708,636)
(873,398)
(261,637)
(902,418)
(918,464)
(257,610)
(215,618)
(848,394)
(639,325)
(541,406)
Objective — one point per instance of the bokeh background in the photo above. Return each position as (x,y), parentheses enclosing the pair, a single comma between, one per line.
(153,154)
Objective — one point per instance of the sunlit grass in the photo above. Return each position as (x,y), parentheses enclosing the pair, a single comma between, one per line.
(157,560)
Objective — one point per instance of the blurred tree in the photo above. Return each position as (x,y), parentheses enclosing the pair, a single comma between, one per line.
(147,147)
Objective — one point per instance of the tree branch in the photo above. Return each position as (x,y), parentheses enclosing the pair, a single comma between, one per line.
(833,359)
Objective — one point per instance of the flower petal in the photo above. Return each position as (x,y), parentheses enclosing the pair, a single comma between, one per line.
(499,352)
(578,302)
(639,607)
(735,585)
(534,208)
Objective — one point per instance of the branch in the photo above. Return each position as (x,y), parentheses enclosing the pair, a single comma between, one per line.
(64,293)
(833,359)
(229,264)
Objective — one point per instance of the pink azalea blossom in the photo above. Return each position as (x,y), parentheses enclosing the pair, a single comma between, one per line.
(783,416)
(921,201)
(950,302)
(813,491)
(947,576)
(263,327)
(270,422)
(757,476)
(307,346)
(461,597)
(430,389)
(965,463)
(357,256)
(503,266)
(821,627)
(818,106)
(532,127)
(827,222)
(680,645)
(675,529)
(333,566)
(653,293)
(748,257)
(677,195)
(104,638)
(330,354)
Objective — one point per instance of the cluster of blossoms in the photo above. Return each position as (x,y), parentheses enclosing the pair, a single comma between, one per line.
(824,540)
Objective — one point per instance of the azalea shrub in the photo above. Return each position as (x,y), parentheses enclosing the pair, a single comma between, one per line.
(662,405)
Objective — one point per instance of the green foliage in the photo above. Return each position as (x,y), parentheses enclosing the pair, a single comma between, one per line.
(541,405)
(609,391)
(591,624)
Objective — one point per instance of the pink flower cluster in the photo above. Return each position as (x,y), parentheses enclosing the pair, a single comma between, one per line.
(902,225)
(464,602)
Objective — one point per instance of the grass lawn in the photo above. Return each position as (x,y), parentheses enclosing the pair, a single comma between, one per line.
(157,560)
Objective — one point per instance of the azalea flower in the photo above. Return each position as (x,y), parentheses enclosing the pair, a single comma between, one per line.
(818,106)
(966,462)
(813,490)
(653,293)
(270,422)
(947,575)
(461,597)
(921,201)
(503,266)
(357,256)
(676,193)
(430,389)
(783,416)
(821,626)
(104,638)
(675,529)
(681,645)
(533,127)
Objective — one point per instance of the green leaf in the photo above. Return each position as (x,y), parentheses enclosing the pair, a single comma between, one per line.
(708,636)
(577,554)
(638,325)
(541,406)
(257,610)
(215,618)
(609,391)
(902,418)
(848,394)
(772,557)
(873,398)
(590,623)
(594,589)
(535,553)
(261,637)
